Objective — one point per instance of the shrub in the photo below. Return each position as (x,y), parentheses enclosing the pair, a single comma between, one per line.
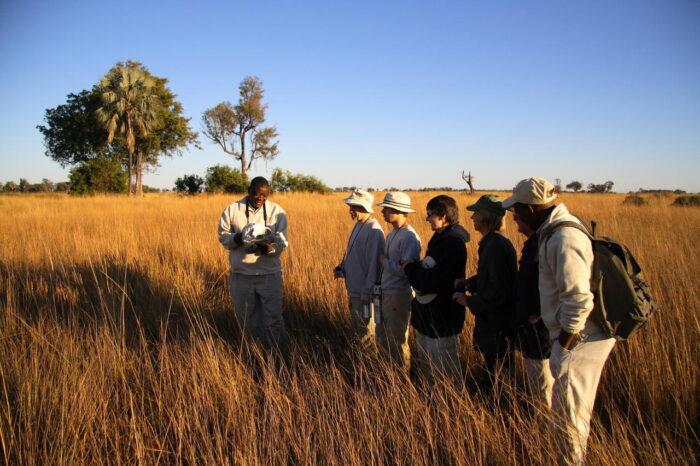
(98,175)
(633,199)
(224,179)
(190,184)
(285,181)
(687,201)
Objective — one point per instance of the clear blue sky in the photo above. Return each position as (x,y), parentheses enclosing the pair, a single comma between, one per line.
(379,94)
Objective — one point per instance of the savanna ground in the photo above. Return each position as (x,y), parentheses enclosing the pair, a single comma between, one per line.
(117,346)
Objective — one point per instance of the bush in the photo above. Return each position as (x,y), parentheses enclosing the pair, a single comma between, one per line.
(633,199)
(224,179)
(687,201)
(285,181)
(98,175)
(190,184)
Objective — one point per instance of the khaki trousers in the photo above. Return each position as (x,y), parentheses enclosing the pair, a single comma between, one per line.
(439,357)
(257,300)
(539,380)
(362,329)
(576,375)
(392,332)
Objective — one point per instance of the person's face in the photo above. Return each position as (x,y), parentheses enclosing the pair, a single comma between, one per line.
(258,196)
(523,215)
(523,227)
(436,221)
(390,215)
(477,220)
(355,211)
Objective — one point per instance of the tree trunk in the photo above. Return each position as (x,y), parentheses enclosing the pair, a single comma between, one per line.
(243,167)
(139,173)
(131,173)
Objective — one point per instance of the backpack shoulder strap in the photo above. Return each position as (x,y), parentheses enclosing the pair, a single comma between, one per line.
(549,231)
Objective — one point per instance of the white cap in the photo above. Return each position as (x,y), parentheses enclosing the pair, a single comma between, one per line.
(360,198)
(398,201)
(531,191)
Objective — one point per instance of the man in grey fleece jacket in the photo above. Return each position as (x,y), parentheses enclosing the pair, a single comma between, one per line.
(361,265)
(402,245)
(255,280)
(580,347)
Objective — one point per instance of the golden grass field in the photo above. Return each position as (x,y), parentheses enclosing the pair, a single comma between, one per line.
(117,346)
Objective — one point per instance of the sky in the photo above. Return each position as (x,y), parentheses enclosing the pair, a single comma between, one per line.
(380,94)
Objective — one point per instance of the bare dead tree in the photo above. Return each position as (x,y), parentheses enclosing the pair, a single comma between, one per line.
(469,179)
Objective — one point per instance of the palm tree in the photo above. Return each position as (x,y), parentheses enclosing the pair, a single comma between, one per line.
(129,109)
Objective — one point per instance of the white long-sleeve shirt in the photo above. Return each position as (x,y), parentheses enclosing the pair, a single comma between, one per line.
(565,262)
(402,244)
(232,221)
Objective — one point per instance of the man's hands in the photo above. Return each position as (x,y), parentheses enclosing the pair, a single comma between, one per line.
(460,298)
(566,339)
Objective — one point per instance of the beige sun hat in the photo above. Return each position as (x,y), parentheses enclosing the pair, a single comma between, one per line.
(531,191)
(360,198)
(398,201)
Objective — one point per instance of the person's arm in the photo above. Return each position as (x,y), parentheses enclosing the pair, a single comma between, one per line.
(409,251)
(432,280)
(497,287)
(570,255)
(281,225)
(374,245)
(228,236)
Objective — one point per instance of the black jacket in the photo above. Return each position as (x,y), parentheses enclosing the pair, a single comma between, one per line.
(532,339)
(493,293)
(442,317)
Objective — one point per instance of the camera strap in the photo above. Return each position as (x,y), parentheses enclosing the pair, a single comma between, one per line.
(353,238)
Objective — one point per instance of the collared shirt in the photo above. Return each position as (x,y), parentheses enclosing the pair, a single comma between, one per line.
(361,264)
(232,221)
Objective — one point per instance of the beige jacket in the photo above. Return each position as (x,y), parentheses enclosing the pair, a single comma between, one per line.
(232,221)
(565,262)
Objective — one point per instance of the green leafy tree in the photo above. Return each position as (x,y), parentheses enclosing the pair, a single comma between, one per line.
(129,109)
(601,188)
(24,185)
(48,185)
(190,184)
(574,186)
(62,187)
(73,134)
(238,129)
(284,181)
(224,179)
(98,175)
(11,187)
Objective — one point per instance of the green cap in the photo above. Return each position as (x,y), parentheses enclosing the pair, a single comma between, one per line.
(490,202)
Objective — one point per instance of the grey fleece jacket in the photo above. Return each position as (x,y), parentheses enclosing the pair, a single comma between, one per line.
(361,263)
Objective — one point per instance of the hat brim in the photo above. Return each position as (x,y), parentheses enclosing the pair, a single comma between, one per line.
(509,202)
(366,206)
(406,210)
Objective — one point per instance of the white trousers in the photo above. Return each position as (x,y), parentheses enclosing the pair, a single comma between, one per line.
(439,357)
(539,380)
(257,300)
(576,375)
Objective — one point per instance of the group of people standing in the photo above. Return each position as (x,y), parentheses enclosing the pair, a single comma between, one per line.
(539,306)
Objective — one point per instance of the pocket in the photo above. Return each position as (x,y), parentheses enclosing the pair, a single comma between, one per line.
(558,359)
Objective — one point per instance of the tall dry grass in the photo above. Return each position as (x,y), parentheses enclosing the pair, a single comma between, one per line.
(117,346)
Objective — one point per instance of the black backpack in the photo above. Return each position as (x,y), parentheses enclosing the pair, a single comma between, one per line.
(621,297)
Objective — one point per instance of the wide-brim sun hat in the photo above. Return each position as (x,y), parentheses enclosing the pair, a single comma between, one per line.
(360,198)
(489,202)
(532,191)
(398,201)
